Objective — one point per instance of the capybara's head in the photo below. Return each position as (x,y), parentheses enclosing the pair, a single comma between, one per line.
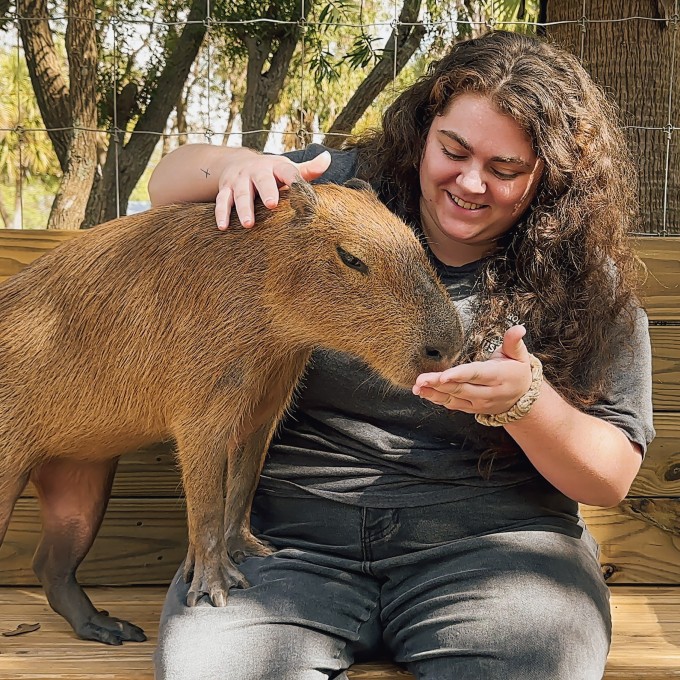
(362,283)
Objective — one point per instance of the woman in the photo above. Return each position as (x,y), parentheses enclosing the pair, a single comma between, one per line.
(406,522)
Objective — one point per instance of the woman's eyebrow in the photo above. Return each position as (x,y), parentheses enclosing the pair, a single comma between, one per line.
(496,159)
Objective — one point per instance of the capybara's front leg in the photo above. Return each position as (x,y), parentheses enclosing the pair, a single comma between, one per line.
(73,497)
(12,483)
(245,465)
(208,565)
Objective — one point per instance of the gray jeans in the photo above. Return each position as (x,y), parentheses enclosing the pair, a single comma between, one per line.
(505,586)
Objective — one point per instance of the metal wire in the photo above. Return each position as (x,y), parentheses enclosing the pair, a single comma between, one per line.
(117,135)
(20,131)
(116,132)
(669,127)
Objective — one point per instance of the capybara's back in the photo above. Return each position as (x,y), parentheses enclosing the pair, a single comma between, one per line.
(159,326)
(109,339)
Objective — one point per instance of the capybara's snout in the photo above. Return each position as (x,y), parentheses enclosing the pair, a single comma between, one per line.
(439,356)
(439,349)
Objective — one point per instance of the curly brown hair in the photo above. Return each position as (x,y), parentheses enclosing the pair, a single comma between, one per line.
(567,269)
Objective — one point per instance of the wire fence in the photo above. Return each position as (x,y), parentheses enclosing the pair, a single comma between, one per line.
(208,103)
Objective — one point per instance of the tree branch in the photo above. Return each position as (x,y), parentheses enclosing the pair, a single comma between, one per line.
(44,67)
(408,40)
(169,85)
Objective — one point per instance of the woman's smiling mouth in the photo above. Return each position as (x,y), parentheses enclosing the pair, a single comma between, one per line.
(464,204)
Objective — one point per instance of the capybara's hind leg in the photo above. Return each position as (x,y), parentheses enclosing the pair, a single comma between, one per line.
(244,467)
(202,455)
(73,497)
(11,485)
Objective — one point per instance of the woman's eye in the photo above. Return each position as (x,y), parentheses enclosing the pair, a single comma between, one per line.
(451,155)
(351,261)
(505,175)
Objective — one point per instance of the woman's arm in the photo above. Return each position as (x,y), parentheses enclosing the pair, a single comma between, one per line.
(585,457)
(230,176)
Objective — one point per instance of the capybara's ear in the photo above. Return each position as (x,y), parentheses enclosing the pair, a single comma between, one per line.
(303,199)
(359,184)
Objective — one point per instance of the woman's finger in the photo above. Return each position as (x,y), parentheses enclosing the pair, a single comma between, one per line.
(314,168)
(223,206)
(244,200)
(476,372)
(442,398)
(267,188)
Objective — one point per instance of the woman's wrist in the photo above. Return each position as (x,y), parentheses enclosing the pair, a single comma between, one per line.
(191,173)
(523,405)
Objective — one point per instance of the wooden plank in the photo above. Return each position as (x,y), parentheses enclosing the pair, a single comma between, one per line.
(646,644)
(665,367)
(661,255)
(140,541)
(662,287)
(144,540)
(148,472)
(20,247)
(152,472)
(639,540)
(660,472)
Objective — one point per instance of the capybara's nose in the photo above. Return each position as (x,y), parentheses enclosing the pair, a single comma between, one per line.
(433,353)
(438,357)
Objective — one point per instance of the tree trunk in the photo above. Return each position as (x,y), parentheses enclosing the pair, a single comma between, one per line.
(44,67)
(263,88)
(181,110)
(17,217)
(134,156)
(70,202)
(408,40)
(632,61)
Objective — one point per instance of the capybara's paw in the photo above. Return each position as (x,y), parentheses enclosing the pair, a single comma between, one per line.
(110,630)
(215,583)
(242,546)
(188,567)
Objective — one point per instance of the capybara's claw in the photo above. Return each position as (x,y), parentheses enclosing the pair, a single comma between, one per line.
(109,630)
(246,545)
(216,587)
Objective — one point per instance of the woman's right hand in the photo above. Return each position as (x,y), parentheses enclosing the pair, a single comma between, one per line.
(230,176)
(250,174)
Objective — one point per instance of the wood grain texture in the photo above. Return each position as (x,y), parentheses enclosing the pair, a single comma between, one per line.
(660,472)
(665,367)
(639,540)
(143,541)
(662,287)
(19,248)
(140,541)
(646,643)
(661,256)
(150,472)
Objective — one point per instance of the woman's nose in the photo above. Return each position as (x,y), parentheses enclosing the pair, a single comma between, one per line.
(471,181)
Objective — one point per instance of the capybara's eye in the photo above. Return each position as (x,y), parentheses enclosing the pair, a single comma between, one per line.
(351,261)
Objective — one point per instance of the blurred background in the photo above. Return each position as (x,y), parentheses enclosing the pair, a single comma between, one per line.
(93,93)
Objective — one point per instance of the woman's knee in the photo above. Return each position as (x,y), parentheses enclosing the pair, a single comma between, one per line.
(267,651)
(555,631)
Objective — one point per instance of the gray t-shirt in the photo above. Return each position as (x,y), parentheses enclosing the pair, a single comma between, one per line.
(351,439)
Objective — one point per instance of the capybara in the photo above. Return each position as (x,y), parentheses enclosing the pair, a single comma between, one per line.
(158,326)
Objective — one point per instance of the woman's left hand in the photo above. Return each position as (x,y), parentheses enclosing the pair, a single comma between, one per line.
(491,386)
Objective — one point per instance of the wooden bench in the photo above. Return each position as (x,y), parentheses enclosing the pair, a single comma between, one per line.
(143,537)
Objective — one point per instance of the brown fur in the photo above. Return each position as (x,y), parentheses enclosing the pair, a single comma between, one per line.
(158,326)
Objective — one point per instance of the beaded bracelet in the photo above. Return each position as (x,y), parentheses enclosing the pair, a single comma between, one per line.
(523,404)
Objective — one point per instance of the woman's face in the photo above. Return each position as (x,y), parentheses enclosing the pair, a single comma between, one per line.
(478,174)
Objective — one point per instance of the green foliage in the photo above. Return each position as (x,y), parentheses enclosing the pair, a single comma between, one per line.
(26,153)
(343,40)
